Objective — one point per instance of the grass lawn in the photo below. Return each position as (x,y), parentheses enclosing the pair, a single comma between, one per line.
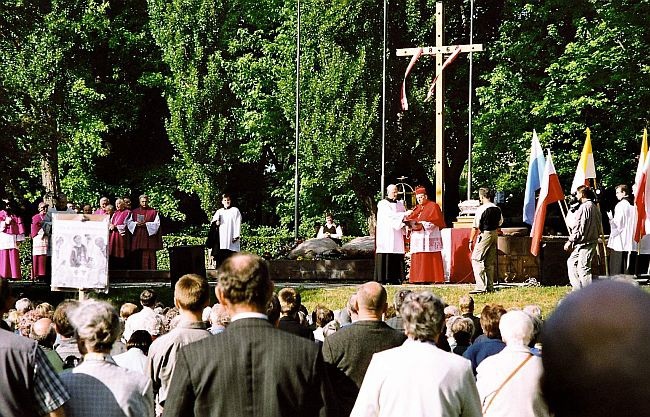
(335,296)
(510,297)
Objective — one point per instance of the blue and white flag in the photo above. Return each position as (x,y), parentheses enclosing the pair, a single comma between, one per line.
(534,180)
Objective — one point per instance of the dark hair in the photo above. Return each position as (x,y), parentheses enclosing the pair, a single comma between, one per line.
(140,339)
(486,192)
(289,301)
(587,192)
(244,279)
(623,188)
(490,318)
(61,319)
(148,298)
(192,292)
(273,309)
(323,316)
(225,195)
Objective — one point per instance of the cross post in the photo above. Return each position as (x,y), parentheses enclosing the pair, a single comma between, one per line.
(439,50)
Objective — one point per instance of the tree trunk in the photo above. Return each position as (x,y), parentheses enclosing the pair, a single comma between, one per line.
(50,171)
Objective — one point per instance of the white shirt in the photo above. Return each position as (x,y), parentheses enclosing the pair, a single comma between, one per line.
(417,379)
(229,227)
(389,234)
(337,235)
(146,319)
(133,359)
(152,227)
(521,396)
(8,241)
(623,225)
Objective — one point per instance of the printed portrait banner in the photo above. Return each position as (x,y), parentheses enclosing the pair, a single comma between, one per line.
(80,252)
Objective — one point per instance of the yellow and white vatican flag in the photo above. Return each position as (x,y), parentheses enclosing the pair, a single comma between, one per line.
(586,167)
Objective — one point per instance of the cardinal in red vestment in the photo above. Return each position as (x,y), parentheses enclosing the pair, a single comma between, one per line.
(426,240)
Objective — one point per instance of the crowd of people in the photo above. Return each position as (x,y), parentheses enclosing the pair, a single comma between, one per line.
(134,235)
(261,353)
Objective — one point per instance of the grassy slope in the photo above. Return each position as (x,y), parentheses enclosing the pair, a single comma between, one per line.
(335,296)
(514,297)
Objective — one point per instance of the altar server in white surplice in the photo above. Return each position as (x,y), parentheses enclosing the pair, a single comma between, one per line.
(228,222)
(621,238)
(389,238)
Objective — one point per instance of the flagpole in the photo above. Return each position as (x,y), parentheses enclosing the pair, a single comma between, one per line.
(602,234)
(383,107)
(563,213)
(296,220)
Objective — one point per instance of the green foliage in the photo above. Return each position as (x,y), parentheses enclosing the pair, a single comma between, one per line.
(25,255)
(187,99)
(561,73)
(69,71)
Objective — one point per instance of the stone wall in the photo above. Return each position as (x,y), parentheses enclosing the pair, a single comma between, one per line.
(517,264)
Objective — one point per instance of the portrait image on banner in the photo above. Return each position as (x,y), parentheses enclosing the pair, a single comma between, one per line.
(80,252)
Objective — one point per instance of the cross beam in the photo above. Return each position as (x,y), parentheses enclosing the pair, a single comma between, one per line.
(439,50)
(434,50)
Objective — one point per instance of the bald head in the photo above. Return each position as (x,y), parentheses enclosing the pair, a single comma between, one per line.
(244,279)
(43,332)
(371,301)
(42,326)
(596,352)
(391,191)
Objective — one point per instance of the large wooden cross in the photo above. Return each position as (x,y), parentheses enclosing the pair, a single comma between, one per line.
(439,50)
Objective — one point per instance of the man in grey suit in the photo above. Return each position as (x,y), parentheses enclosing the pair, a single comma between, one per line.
(251,369)
(350,349)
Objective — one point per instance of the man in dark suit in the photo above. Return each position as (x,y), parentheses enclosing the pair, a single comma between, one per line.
(251,369)
(350,350)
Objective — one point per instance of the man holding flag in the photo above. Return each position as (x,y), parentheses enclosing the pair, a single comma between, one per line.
(584,226)
(641,195)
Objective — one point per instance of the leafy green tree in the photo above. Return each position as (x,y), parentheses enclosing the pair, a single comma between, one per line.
(219,76)
(561,73)
(49,92)
(80,91)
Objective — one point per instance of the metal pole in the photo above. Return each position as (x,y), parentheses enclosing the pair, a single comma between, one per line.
(296,176)
(469,151)
(383,108)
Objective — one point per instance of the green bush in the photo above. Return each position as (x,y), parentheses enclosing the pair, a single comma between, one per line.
(25,253)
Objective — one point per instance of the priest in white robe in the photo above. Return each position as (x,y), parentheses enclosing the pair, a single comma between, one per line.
(228,221)
(389,238)
(622,257)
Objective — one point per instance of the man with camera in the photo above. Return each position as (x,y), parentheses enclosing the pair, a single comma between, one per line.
(584,226)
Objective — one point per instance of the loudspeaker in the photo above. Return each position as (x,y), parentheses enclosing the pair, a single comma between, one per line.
(183,260)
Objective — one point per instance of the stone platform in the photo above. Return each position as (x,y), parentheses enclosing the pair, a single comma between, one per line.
(515,266)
